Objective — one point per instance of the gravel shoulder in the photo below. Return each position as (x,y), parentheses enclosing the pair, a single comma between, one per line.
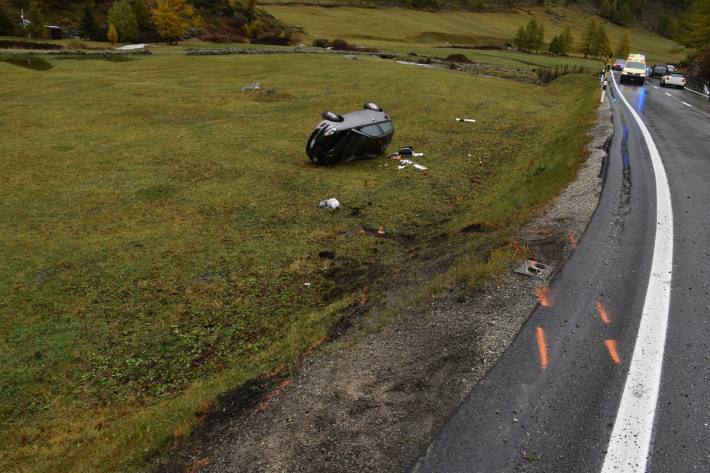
(374,401)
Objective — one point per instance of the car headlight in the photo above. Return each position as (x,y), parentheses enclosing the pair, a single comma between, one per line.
(330,131)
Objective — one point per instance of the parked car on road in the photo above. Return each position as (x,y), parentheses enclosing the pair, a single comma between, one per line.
(675,79)
(659,70)
(619,65)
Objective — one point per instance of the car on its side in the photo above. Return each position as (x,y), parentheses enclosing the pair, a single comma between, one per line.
(619,65)
(357,135)
(659,70)
(674,79)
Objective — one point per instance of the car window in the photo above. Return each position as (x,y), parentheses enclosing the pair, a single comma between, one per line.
(371,130)
(386,128)
(635,65)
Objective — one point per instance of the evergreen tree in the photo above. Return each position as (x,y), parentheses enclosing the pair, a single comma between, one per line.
(123,18)
(7,26)
(520,40)
(531,37)
(607,9)
(538,34)
(174,18)
(566,41)
(588,37)
(142,12)
(698,24)
(36,20)
(88,23)
(624,47)
(555,46)
(623,15)
(250,10)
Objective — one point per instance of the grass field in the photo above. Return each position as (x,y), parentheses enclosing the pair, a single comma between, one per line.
(396,26)
(159,228)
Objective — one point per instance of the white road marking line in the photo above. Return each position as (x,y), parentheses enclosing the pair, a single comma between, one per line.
(655,87)
(668,94)
(630,440)
(686,104)
(695,92)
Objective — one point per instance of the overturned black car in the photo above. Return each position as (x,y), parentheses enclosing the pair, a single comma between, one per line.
(357,135)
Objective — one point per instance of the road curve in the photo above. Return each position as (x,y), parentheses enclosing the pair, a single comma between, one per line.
(559,418)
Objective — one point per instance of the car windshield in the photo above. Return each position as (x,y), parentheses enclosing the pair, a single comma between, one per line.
(677,74)
(635,65)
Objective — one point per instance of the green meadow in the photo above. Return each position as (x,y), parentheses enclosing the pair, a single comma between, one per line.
(161,240)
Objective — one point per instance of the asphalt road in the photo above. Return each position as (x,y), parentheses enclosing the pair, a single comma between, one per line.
(551,402)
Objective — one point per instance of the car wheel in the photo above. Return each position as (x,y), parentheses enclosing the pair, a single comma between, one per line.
(372,106)
(332,117)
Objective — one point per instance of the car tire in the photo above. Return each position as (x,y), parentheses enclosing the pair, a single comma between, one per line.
(332,117)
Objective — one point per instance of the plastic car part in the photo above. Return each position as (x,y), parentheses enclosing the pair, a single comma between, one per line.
(356,135)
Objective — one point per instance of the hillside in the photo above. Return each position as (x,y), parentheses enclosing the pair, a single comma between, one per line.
(228,20)
(390,27)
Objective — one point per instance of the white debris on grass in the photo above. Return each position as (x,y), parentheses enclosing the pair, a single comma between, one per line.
(331,204)
(132,47)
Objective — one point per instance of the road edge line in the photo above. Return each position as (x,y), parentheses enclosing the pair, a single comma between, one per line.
(631,436)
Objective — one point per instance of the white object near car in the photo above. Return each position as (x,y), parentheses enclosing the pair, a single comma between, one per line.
(675,79)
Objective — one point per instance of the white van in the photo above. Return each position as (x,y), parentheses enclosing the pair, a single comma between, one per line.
(634,69)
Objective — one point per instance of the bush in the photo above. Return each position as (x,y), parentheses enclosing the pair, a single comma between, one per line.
(321,43)
(342,45)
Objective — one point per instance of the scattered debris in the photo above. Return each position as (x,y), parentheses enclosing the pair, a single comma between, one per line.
(535,269)
(406,163)
(331,204)
(406,152)
(466,120)
(307,284)
(251,87)
(381,231)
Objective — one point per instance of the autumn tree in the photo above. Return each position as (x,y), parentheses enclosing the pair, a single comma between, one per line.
(112,34)
(123,18)
(562,43)
(624,47)
(600,46)
(174,18)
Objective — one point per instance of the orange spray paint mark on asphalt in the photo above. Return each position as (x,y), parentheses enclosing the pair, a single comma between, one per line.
(603,314)
(543,295)
(542,346)
(613,353)
(572,239)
